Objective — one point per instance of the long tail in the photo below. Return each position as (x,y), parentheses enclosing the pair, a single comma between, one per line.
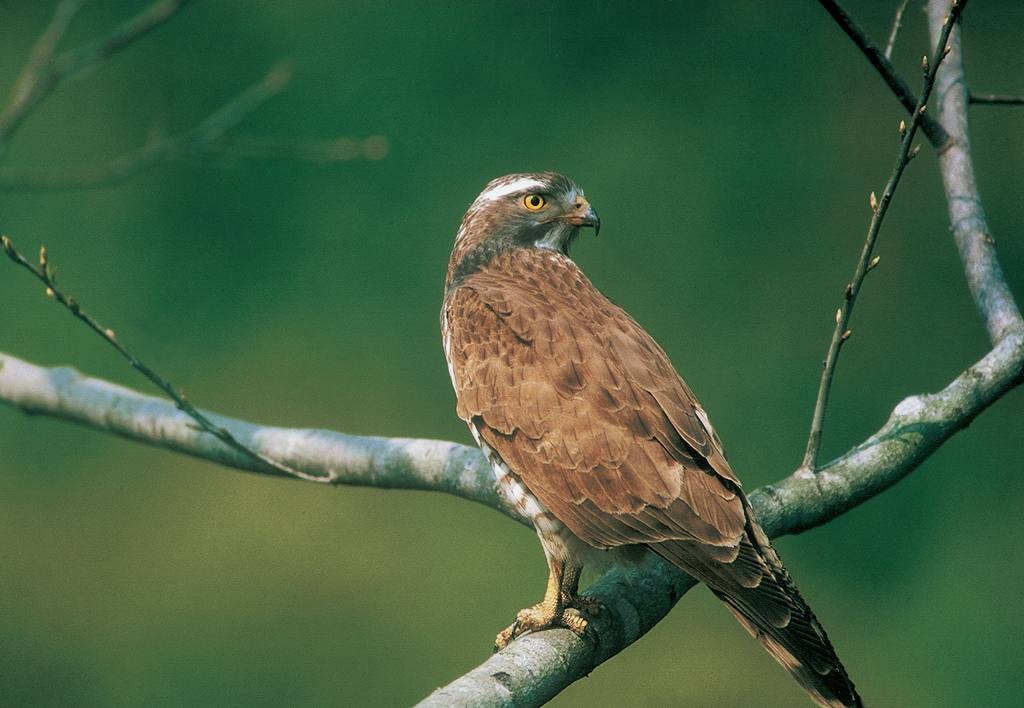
(755,586)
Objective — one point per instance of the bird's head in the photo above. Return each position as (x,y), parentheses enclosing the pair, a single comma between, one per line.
(536,210)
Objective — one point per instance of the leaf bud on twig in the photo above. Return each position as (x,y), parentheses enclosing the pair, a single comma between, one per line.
(874,202)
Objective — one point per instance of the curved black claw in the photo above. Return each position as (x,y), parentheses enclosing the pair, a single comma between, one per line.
(506,637)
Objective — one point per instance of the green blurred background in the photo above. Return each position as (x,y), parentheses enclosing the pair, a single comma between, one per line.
(730,148)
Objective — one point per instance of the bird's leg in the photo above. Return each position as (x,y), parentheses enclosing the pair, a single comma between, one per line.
(571,597)
(559,608)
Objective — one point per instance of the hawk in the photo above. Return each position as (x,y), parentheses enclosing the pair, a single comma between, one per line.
(594,436)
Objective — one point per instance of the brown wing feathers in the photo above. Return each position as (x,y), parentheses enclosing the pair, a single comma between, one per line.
(573,394)
(588,411)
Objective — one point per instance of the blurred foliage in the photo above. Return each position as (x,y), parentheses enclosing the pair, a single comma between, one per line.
(730,148)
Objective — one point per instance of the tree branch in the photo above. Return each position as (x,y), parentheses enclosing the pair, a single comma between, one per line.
(879,208)
(45,273)
(537,667)
(324,456)
(931,127)
(895,29)
(42,74)
(995,99)
(974,241)
(203,141)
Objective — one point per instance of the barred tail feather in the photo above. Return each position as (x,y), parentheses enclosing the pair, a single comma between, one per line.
(803,649)
(756,587)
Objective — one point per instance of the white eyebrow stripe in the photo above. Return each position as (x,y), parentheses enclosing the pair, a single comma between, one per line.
(519,185)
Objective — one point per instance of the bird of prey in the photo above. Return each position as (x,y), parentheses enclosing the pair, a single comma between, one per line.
(594,436)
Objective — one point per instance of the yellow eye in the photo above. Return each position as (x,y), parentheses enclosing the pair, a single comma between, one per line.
(534,202)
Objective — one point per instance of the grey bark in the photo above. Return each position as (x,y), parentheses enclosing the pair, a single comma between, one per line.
(536,667)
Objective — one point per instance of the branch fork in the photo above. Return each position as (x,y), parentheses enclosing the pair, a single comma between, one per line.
(537,667)
(878,209)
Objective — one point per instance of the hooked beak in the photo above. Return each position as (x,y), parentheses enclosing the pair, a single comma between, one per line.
(583,214)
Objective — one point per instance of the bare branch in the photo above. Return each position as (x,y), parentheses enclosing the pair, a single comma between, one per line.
(344,149)
(29,88)
(71,63)
(42,74)
(323,456)
(995,99)
(546,661)
(936,134)
(967,218)
(895,28)
(879,208)
(46,274)
(203,141)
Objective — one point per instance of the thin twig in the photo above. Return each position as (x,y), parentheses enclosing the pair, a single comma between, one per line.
(343,149)
(45,273)
(47,43)
(895,29)
(43,73)
(204,140)
(28,89)
(996,99)
(931,127)
(196,144)
(867,262)
(71,63)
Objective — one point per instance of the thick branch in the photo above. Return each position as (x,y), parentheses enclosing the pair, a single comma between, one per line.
(389,463)
(966,217)
(535,667)
(917,427)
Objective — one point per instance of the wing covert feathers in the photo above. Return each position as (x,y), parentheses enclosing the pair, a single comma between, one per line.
(585,407)
(587,410)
